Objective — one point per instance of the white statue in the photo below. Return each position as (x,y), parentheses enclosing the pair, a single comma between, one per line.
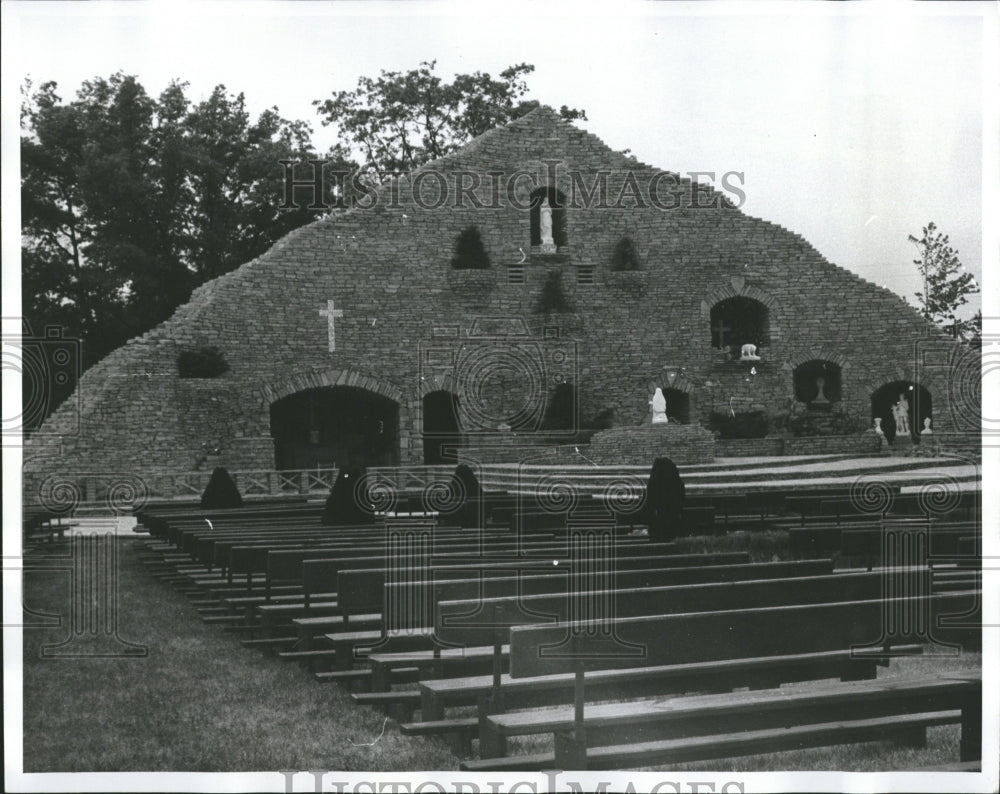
(878,426)
(659,405)
(927,428)
(901,413)
(545,222)
(749,353)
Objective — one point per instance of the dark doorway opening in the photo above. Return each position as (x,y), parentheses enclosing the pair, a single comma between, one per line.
(335,426)
(442,429)
(678,406)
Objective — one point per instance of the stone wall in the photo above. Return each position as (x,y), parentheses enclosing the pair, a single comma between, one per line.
(683,444)
(412,325)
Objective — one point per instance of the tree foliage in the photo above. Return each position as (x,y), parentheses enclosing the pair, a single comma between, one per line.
(947,285)
(130,201)
(399,121)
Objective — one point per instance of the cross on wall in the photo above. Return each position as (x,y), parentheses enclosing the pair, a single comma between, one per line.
(331,315)
(719,331)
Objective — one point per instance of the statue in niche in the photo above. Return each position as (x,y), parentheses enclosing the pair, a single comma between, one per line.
(927,428)
(659,405)
(545,224)
(901,413)
(820,398)
(878,426)
(748,352)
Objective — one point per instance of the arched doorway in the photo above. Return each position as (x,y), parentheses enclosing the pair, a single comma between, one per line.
(335,426)
(918,401)
(678,406)
(441,426)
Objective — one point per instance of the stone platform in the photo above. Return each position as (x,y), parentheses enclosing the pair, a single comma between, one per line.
(683,444)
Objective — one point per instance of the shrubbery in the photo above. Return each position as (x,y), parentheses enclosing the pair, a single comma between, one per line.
(470,253)
(202,362)
(749,424)
(625,256)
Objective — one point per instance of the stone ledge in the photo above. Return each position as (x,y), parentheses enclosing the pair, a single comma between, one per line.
(639,446)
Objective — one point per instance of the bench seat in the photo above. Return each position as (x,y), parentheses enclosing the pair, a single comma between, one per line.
(731,745)
(646,720)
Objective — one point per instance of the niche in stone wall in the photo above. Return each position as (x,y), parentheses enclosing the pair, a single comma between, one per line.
(738,321)
(817,383)
(557,203)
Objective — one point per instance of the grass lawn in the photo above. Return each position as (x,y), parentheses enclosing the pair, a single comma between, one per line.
(199,701)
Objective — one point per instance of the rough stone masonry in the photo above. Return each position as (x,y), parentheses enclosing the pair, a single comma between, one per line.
(368,298)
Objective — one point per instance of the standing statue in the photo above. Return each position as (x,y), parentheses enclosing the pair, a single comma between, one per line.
(545,222)
(659,405)
(901,413)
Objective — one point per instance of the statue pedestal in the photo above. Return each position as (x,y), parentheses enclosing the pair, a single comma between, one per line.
(640,446)
(902,443)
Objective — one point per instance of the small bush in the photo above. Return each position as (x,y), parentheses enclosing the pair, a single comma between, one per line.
(553,298)
(221,492)
(470,253)
(625,256)
(202,362)
(750,424)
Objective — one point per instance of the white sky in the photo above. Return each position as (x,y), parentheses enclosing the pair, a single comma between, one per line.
(855,124)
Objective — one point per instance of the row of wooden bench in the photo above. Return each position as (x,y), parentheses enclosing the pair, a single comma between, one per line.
(405,653)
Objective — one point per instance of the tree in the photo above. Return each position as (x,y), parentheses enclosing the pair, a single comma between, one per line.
(946,286)
(129,201)
(400,121)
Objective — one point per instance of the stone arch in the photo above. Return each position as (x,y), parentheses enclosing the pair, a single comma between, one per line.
(300,382)
(435,382)
(738,287)
(314,379)
(676,380)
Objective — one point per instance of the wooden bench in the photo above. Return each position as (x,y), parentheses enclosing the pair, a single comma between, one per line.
(707,636)
(491,619)
(356,593)
(414,594)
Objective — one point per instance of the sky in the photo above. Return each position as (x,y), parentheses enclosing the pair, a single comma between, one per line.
(852,124)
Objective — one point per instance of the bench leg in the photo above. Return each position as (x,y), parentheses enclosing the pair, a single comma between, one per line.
(970,745)
(400,712)
(460,744)
(491,744)
(911,737)
(571,753)
(859,670)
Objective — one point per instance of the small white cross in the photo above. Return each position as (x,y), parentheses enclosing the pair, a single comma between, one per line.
(331,315)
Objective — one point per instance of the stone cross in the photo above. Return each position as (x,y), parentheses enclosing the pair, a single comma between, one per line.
(331,315)
(720,329)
